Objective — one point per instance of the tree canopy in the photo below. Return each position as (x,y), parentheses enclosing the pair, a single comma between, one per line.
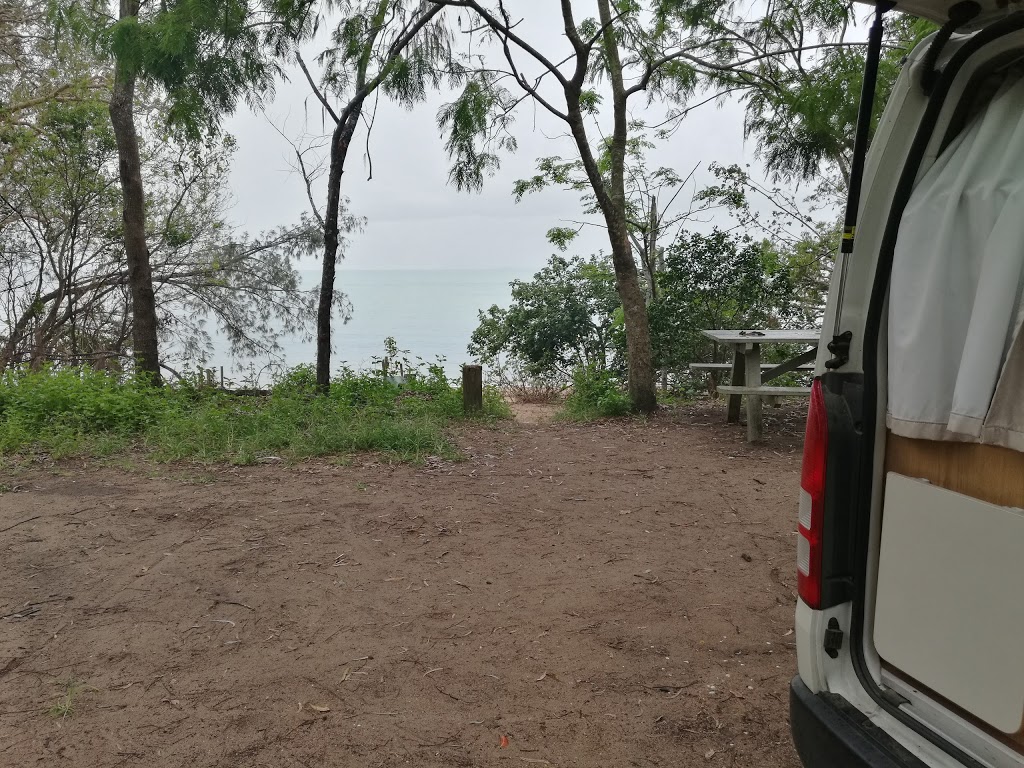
(61,250)
(86,267)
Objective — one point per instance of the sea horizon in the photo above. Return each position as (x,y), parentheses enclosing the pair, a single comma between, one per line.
(431,313)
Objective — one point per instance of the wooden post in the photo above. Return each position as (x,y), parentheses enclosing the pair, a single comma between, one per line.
(472,388)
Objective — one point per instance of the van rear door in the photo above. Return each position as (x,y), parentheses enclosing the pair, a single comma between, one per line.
(920,622)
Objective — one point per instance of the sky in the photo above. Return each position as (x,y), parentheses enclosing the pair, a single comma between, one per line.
(414,219)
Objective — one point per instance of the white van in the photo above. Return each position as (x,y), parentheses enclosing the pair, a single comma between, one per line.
(910,622)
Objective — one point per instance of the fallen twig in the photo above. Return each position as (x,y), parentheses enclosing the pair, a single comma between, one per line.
(20,522)
(233,602)
(22,613)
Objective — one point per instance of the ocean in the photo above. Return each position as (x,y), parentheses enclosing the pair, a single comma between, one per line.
(430,313)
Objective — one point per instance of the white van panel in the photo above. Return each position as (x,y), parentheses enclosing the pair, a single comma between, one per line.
(948,608)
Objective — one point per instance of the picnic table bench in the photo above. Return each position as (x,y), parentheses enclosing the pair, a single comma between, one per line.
(749,373)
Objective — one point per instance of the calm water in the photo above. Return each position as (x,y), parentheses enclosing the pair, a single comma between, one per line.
(431,313)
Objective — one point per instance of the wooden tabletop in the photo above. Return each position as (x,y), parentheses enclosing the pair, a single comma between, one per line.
(772,336)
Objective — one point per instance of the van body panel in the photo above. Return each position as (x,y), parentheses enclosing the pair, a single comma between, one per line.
(828,730)
(947,610)
(938,10)
(932,729)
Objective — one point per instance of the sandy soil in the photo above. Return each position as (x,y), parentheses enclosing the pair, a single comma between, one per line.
(534,413)
(614,594)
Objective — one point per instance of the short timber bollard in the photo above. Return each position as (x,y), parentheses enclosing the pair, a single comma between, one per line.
(472,388)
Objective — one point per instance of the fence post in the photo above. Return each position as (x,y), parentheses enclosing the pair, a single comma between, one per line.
(472,388)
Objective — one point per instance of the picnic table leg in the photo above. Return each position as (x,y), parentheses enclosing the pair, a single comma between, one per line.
(738,377)
(752,358)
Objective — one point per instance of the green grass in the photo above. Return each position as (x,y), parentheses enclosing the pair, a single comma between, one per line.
(64,707)
(75,412)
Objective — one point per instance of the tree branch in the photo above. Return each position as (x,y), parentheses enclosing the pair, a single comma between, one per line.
(316,90)
(506,30)
(735,66)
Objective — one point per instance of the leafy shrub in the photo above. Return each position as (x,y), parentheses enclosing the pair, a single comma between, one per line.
(298,380)
(78,399)
(595,394)
(563,318)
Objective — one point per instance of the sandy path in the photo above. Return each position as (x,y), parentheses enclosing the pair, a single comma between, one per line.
(601,595)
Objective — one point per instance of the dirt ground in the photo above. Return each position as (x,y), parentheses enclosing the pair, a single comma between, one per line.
(612,594)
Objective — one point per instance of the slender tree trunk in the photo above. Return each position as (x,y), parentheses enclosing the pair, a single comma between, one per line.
(41,336)
(340,142)
(634,305)
(652,251)
(140,276)
(639,353)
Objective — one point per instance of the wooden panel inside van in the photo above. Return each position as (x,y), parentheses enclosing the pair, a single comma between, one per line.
(984,472)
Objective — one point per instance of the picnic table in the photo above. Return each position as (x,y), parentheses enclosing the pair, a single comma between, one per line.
(749,374)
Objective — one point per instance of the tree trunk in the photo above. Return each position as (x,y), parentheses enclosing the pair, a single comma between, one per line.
(652,251)
(140,276)
(639,354)
(340,141)
(613,204)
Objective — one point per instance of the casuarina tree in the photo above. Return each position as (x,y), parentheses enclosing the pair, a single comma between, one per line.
(204,55)
(401,48)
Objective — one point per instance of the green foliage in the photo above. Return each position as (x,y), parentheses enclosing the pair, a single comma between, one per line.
(300,380)
(805,244)
(595,394)
(568,318)
(365,53)
(206,55)
(74,400)
(650,56)
(807,119)
(561,320)
(75,411)
(479,110)
(719,280)
(62,255)
(64,707)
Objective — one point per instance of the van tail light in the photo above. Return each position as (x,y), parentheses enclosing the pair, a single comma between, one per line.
(812,500)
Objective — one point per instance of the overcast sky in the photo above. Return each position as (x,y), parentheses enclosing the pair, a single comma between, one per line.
(414,219)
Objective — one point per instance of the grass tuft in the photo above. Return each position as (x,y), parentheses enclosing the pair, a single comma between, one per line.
(64,707)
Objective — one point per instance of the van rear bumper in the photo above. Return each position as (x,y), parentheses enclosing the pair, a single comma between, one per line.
(829,732)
